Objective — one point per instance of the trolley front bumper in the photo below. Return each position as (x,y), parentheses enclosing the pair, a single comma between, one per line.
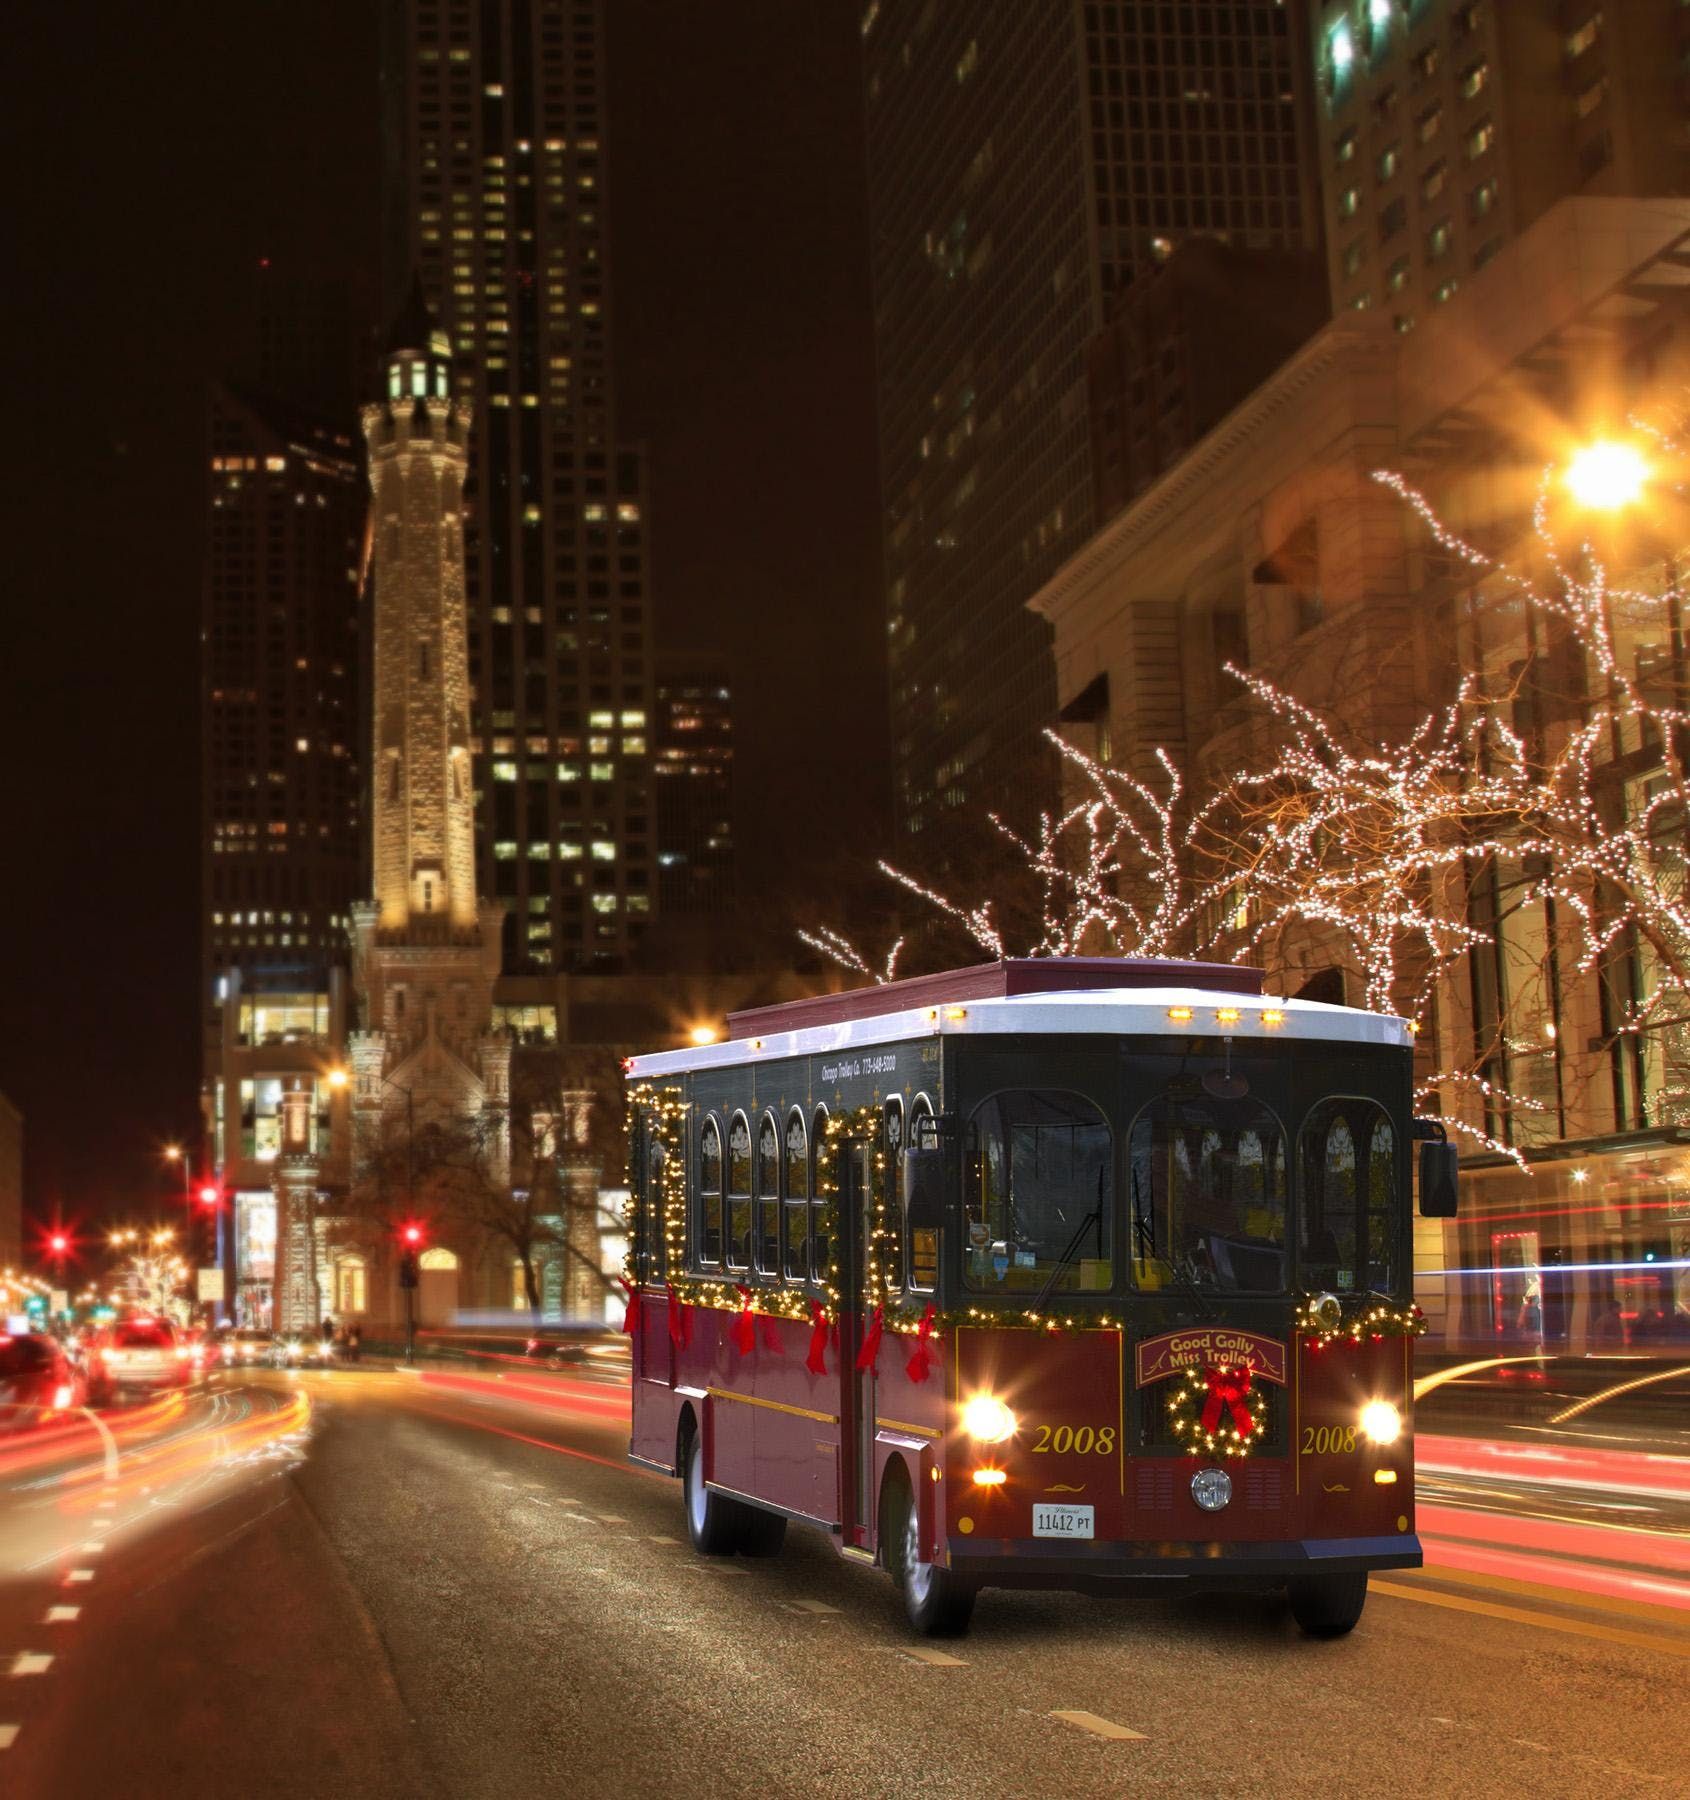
(1155,1567)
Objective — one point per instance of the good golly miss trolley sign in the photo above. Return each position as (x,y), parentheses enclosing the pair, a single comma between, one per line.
(1209,1347)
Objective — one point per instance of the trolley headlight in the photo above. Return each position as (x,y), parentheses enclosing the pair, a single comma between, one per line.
(1211,1489)
(1381,1423)
(987,1418)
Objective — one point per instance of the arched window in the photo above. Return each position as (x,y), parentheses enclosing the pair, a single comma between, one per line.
(707,1219)
(797,1190)
(351,1285)
(739,1193)
(892,1147)
(437,1259)
(768,1196)
(1345,1214)
(1206,1194)
(824,1201)
(923,1247)
(656,1218)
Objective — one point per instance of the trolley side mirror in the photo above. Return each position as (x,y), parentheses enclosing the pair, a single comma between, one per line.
(924,1188)
(1440,1180)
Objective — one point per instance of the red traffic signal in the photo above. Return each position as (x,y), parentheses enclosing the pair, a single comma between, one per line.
(59,1244)
(209,1195)
(412,1234)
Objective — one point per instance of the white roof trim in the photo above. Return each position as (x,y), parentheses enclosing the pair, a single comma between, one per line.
(1106,1012)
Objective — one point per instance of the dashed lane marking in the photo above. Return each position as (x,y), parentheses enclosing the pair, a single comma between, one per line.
(8,1736)
(31,1662)
(811,1606)
(93,1547)
(79,1575)
(715,1568)
(612,1519)
(1103,1728)
(580,1518)
(663,1540)
(62,1615)
(937,1659)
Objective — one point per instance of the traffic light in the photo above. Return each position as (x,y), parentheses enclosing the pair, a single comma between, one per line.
(410,1237)
(209,1196)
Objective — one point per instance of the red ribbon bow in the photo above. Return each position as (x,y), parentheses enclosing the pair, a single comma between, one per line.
(771,1333)
(920,1363)
(871,1342)
(631,1318)
(1228,1389)
(816,1361)
(745,1326)
(680,1320)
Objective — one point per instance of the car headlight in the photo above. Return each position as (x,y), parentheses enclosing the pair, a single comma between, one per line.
(987,1418)
(1381,1423)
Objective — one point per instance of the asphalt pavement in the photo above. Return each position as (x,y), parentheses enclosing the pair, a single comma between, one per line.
(453,1584)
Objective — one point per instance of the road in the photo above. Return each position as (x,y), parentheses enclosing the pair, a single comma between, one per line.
(452,1584)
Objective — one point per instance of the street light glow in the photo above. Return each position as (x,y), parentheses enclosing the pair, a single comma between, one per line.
(1605,476)
(703,1034)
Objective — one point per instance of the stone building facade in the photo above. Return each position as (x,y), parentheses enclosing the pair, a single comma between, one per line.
(1272,547)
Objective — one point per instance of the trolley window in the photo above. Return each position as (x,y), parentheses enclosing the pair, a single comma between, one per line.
(708,1227)
(1345,1211)
(1206,1195)
(797,1209)
(739,1193)
(923,1240)
(768,1196)
(1039,1195)
(824,1199)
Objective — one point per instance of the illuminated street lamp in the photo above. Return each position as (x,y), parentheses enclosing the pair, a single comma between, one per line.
(1606,476)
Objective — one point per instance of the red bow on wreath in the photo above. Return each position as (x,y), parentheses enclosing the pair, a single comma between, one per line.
(631,1318)
(816,1361)
(921,1357)
(680,1320)
(745,1326)
(1228,1390)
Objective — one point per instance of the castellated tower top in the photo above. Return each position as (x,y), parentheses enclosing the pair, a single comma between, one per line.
(422,794)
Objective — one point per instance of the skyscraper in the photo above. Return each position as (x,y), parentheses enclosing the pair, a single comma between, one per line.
(1448,126)
(280,714)
(1023,163)
(494,135)
(692,748)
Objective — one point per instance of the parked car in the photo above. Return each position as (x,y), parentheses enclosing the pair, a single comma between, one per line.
(140,1355)
(37,1381)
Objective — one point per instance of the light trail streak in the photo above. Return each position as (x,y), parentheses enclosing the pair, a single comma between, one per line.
(1427,1383)
(1579,1540)
(1613,1393)
(521,1437)
(1559,1572)
(1637,1472)
(556,1396)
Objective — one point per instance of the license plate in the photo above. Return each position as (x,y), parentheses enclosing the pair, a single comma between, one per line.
(1062,1521)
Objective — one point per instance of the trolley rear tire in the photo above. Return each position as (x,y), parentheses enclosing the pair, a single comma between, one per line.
(936,1602)
(761,1532)
(713,1520)
(1327,1606)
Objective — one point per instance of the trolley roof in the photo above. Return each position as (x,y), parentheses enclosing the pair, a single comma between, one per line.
(1053,996)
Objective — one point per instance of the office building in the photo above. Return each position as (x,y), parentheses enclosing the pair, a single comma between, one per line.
(1447,127)
(1024,164)
(285,512)
(495,194)
(1184,344)
(692,769)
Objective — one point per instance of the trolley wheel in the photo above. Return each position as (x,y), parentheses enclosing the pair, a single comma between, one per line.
(761,1532)
(713,1520)
(936,1601)
(1327,1606)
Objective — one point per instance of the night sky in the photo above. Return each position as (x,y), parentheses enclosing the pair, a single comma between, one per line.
(151,156)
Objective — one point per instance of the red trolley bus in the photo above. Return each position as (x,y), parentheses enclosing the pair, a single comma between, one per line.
(1083,1273)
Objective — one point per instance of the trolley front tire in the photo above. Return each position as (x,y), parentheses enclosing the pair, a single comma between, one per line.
(936,1602)
(1327,1606)
(713,1520)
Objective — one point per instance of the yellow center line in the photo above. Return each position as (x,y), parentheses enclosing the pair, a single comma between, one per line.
(1518,1615)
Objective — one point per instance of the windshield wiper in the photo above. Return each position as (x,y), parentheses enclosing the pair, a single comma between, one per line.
(1094,1217)
(1145,1233)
